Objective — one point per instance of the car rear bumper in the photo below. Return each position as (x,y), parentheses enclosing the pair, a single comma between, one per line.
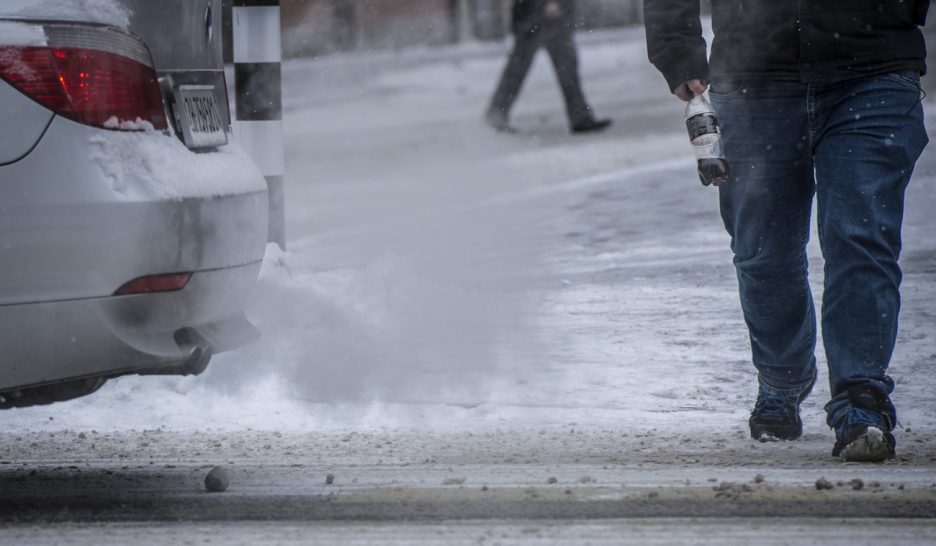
(170,332)
(89,210)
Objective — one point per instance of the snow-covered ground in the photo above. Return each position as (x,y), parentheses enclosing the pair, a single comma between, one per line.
(442,277)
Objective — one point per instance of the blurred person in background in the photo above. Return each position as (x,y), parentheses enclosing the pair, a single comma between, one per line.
(550,24)
(814,98)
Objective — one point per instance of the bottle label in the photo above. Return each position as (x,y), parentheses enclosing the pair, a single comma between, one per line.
(711,150)
(702,124)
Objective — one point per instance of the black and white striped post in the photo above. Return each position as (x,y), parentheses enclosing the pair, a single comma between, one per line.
(259,116)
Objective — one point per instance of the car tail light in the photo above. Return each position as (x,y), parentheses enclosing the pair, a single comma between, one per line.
(98,76)
(155,283)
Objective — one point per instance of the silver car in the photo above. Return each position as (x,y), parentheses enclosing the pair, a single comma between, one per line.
(131,228)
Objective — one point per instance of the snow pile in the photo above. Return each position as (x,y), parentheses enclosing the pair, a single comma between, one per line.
(128,125)
(109,12)
(155,164)
(20,34)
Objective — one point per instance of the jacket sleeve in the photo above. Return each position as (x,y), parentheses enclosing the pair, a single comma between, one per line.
(674,40)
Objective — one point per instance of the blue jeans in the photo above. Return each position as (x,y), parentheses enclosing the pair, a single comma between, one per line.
(853,145)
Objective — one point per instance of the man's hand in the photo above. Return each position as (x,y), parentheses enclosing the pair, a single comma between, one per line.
(552,10)
(689,89)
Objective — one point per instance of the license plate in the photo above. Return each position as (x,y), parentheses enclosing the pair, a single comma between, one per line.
(197,113)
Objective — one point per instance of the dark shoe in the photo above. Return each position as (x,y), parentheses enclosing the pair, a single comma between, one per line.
(497,119)
(590,125)
(863,432)
(777,417)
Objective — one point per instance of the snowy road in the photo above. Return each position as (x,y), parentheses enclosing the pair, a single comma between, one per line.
(551,486)
(650,532)
(537,330)
(555,485)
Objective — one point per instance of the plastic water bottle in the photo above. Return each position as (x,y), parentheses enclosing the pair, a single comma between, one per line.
(705,136)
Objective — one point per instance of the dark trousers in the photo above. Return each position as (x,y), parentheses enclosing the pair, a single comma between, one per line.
(561,49)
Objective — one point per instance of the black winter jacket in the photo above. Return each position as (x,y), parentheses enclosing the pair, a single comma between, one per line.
(528,16)
(786,40)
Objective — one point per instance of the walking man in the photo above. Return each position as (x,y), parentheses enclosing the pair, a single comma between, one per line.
(815,98)
(551,24)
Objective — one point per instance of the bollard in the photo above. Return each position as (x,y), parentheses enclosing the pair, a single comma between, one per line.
(259,111)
